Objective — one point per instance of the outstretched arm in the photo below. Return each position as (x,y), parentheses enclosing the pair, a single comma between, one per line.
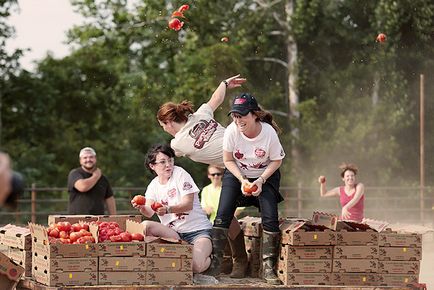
(322,188)
(219,94)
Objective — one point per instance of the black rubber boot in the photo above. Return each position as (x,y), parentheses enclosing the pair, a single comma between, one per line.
(270,254)
(219,238)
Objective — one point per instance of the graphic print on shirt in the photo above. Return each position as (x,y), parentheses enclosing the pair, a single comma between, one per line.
(171,193)
(187,185)
(260,153)
(238,154)
(258,165)
(202,132)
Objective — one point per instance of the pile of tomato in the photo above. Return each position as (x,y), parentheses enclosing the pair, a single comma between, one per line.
(110,231)
(65,233)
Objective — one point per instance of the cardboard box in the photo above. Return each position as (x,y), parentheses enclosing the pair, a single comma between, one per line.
(400,254)
(400,280)
(399,267)
(22,258)
(169,278)
(43,262)
(306,252)
(168,248)
(169,264)
(122,278)
(355,265)
(10,273)
(325,219)
(393,239)
(303,233)
(251,226)
(41,245)
(305,278)
(356,234)
(355,252)
(65,278)
(52,219)
(304,266)
(120,219)
(355,279)
(121,249)
(17,237)
(122,264)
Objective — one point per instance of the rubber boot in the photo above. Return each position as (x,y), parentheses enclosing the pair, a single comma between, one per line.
(239,256)
(270,254)
(219,238)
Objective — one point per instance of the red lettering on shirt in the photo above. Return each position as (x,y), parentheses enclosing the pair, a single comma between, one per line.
(202,132)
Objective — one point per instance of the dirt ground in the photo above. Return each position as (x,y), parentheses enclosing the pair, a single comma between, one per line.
(427,263)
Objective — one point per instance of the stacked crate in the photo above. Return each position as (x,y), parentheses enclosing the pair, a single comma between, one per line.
(121,263)
(153,261)
(306,253)
(355,256)
(252,229)
(62,264)
(399,258)
(168,262)
(17,245)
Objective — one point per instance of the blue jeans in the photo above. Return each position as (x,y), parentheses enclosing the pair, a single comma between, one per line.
(190,237)
(231,197)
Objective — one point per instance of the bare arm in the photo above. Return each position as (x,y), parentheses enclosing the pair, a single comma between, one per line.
(146,209)
(85,184)
(185,205)
(230,165)
(323,191)
(111,205)
(219,94)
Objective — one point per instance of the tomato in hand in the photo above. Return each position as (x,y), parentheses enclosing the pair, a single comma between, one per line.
(139,200)
(156,205)
(250,190)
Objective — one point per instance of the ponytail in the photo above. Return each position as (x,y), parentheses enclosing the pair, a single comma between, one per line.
(175,112)
(266,117)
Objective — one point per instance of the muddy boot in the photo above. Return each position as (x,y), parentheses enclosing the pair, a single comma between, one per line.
(270,254)
(219,238)
(239,256)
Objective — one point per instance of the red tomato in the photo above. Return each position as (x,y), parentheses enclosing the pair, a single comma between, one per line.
(183,8)
(63,235)
(139,200)
(137,237)
(103,225)
(175,24)
(126,237)
(116,238)
(102,238)
(54,233)
(156,205)
(63,226)
(76,227)
(84,233)
(74,236)
(322,179)
(381,37)
(177,14)
(117,231)
(248,189)
(85,227)
(65,241)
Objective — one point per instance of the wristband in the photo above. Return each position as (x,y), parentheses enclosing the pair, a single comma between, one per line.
(226,83)
(263,179)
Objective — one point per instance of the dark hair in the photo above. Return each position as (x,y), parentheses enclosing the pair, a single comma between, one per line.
(151,155)
(17,190)
(266,117)
(348,166)
(175,112)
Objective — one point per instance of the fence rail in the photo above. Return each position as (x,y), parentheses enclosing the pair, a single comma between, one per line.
(397,204)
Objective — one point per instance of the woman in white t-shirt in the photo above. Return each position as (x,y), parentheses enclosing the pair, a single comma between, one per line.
(198,136)
(180,214)
(252,154)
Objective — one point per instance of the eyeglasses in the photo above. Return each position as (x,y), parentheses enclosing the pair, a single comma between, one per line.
(169,161)
(215,174)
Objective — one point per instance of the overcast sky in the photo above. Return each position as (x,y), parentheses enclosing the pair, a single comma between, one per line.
(41,25)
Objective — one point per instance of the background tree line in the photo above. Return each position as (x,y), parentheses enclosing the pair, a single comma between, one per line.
(337,94)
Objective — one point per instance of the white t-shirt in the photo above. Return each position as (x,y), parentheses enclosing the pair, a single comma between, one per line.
(171,193)
(253,155)
(201,138)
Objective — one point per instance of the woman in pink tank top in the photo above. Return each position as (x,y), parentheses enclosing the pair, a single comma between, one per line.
(351,195)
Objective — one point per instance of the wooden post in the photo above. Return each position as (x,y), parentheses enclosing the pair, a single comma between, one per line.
(33,203)
(422,148)
(299,203)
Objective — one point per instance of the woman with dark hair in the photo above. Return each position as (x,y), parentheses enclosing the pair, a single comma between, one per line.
(252,154)
(351,195)
(180,213)
(198,136)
